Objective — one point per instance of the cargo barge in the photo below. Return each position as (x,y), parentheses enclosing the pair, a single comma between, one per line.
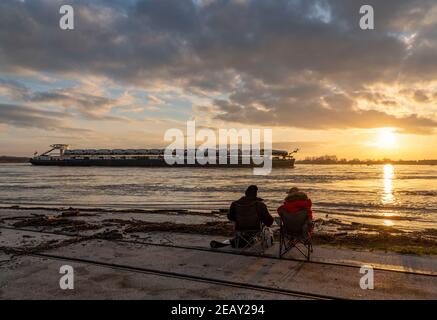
(146,158)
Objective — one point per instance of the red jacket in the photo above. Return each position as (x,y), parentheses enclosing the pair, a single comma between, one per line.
(298,205)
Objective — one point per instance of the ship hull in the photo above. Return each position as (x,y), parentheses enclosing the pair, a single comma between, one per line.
(289,163)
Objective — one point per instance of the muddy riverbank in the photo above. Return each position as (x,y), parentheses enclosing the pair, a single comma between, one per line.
(94,222)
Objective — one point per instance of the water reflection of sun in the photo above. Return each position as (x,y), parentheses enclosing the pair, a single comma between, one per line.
(387,196)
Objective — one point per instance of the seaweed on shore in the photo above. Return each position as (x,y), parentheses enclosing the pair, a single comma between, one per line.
(219,228)
(401,243)
(361,236)
(94,211)
(404,243)
(50,221)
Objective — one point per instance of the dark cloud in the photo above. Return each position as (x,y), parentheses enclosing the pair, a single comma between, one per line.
(31,117)
(421,96)
(88,106)
(266,39)
(70,100)
(22,116)
(13,89)
(284,62)
(326,113)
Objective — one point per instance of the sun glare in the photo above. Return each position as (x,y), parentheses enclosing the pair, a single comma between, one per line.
(387,138)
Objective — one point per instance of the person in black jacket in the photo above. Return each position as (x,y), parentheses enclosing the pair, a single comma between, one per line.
(249,208)
(251,200)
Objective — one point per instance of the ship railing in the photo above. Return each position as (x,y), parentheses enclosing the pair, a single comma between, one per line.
(154,152)
(45,157)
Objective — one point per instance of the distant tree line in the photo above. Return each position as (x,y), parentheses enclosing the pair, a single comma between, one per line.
(9,159)
(332,159)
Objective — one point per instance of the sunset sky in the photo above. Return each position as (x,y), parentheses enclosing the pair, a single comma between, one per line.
(133,68)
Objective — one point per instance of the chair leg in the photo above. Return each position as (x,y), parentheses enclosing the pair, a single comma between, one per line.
(243,242)
(295,245)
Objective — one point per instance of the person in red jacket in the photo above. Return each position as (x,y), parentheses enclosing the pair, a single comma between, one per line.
(296,201)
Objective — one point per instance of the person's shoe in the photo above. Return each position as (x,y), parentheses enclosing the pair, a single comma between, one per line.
(216,244)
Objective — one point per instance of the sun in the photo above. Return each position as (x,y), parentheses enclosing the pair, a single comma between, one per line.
(387,138)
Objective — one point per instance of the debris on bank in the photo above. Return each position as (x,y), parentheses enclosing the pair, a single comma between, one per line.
(327,231)
(55,221)
(218,228)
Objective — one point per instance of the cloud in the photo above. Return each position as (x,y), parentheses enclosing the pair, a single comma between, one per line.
(314,115)
(29,117)
(88,106)
(73,100)
(287,63)
(178,39)
(13,89)
(312,106)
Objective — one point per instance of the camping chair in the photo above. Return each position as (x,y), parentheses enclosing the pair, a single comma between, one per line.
(293,232)
(248,228)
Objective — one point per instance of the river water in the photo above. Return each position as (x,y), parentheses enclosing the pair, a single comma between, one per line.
(401,196)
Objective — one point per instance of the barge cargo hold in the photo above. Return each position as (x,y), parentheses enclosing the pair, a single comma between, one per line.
(143,158)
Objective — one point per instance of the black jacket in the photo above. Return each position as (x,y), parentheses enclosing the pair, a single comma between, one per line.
(261,209)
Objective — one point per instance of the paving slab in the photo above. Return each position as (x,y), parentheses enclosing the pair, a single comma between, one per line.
(19,239)
(314,278)
(328,280)
(390,260)
(38,278)
(329,254)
